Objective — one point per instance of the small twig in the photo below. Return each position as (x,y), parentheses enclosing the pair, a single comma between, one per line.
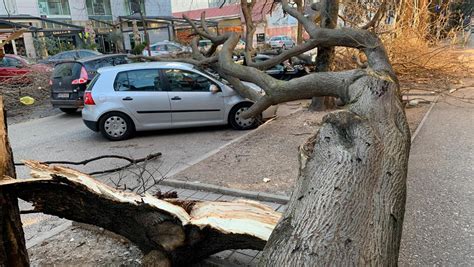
(84,162)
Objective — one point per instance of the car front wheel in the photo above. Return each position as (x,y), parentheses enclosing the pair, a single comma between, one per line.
(116,126)
(238,122)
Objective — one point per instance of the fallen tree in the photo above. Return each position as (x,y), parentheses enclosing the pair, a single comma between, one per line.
(347,207)
(180,232)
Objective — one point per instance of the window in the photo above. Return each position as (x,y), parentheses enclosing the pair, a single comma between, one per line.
(10,62)
(172,48)
(83,54)
(138,80)
(219,3)
(158,48)
(66,70)
(183,81)
(54,7)
(129,9)
(98,7)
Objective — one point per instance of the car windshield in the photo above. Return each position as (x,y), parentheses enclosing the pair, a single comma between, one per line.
(212,73)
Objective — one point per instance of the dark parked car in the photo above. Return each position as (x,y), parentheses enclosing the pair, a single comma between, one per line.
(70,79)
(70,55)
(283,71)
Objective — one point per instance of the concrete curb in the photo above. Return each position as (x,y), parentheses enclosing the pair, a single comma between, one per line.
(424,118)
(260,196)
(39,239)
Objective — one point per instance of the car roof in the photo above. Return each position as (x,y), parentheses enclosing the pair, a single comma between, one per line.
(87,59)
(148,65)
(78,50)
(165,42)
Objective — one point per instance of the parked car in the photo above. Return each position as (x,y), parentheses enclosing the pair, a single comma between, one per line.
(165,48)
(162,95)
(70,79)
(205,44)
(281,42)
(70,55)
(283,71)
(15,69)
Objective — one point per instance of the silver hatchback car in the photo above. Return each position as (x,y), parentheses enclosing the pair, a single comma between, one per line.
(162,95)
(281,42)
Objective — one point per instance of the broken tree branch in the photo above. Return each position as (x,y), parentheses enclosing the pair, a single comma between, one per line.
(182,231)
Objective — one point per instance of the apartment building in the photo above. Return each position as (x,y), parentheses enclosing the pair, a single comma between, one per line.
(66,20)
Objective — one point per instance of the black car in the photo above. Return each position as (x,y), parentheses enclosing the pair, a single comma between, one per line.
(283,71)
(70,55)
(70,79)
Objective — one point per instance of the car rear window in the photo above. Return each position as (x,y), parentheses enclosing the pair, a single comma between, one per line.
(96,64)
(91,84)
(67,69)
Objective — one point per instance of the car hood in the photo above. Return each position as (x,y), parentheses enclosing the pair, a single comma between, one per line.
(254,87)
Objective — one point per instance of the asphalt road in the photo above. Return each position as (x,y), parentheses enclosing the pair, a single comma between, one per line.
(65,137)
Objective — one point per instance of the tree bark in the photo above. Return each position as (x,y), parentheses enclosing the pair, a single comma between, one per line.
(12,244)
(175,231)
(347,208)
(325,58)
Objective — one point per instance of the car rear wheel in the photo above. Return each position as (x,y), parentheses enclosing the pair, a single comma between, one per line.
(116,126)
(68,110)
(239,123)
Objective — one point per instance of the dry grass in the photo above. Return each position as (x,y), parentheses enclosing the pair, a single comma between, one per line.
(420,43)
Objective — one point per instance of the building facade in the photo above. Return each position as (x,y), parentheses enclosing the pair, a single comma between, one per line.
(270,19)
(51,17)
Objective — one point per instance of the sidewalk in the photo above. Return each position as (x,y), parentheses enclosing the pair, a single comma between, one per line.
(439,219)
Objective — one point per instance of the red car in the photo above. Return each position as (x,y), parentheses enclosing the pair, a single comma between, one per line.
(14,69)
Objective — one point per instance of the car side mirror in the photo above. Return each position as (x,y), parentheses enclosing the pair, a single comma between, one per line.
(214,89)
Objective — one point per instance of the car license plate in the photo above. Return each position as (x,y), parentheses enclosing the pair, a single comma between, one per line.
(63,95)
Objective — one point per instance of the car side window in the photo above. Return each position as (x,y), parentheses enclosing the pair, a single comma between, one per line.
(11,62)
(172,48)
(158,48)
(185,81)
(138,80)
(83,54)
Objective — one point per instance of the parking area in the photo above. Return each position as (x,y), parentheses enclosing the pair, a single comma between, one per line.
(65,137)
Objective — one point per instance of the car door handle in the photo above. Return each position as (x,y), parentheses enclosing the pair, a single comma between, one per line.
(127,98)
(176,98)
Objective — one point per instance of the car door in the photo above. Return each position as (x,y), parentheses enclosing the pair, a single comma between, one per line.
(141,92)
(192,102)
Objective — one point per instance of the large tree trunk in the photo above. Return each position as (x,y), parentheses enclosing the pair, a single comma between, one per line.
(12,241)
(325,57)
(348,206)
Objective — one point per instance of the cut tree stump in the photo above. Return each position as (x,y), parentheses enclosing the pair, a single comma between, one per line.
(179,231)
(12,245)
